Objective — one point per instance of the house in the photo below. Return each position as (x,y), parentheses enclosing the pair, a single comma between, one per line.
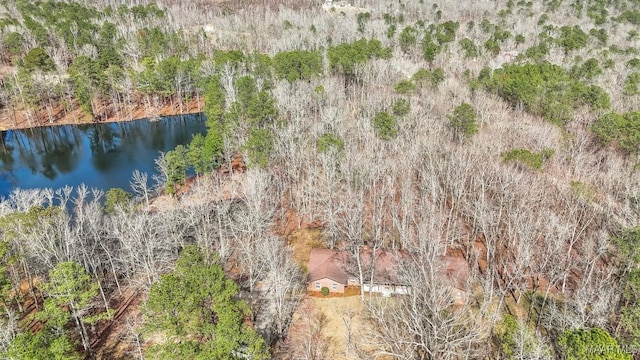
(342,6)
(381,274)
(327,269)
(336,270)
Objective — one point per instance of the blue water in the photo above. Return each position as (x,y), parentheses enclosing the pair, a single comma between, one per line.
(99,155)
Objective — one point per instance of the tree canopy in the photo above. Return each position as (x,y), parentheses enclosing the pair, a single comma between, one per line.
(623,130)
(594,344)
(345,57)
(297,65)
(69,293)
(544,89)
(463,120)
(198,307)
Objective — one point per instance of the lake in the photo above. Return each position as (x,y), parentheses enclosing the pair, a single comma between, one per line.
(101,156)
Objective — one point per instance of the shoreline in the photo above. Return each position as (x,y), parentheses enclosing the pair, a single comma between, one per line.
(20,119)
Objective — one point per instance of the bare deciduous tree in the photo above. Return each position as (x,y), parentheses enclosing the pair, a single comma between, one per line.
(426,323)
(140,186)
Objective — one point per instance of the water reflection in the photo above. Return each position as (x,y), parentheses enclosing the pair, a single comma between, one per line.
(100,155)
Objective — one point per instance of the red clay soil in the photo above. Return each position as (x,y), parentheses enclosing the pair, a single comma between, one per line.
(12,117)
(30,308)
(237,165)
(292,222)
(106,341)
(31,303)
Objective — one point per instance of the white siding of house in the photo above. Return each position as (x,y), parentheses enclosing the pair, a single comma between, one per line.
(386,290)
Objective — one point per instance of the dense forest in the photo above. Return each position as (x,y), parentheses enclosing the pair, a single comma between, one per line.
(502,134)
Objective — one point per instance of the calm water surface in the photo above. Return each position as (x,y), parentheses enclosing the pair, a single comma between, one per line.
(100,155)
